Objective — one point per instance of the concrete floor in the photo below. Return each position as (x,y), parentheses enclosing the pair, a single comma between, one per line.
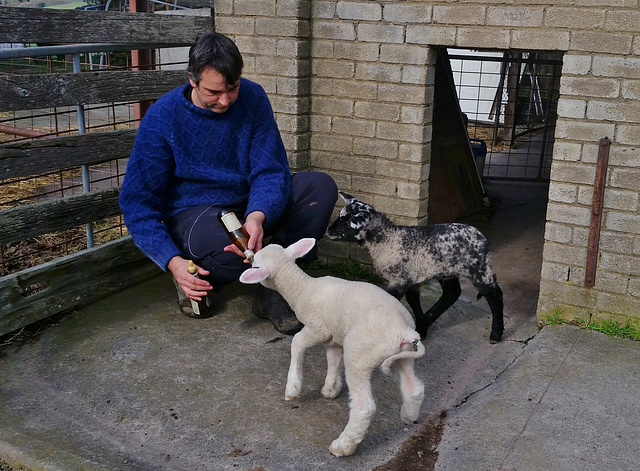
(128,383)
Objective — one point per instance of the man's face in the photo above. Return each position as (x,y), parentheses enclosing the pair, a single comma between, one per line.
(213,92)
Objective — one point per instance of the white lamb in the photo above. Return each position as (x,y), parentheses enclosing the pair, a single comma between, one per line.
(361,320)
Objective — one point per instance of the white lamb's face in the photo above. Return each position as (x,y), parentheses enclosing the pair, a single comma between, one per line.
(262,257)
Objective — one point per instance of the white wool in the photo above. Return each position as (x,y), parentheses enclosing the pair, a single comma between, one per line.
(372,328)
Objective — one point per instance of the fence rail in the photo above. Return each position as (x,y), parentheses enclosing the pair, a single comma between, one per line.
(72,279)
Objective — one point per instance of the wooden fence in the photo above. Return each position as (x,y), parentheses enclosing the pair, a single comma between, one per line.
(78,279)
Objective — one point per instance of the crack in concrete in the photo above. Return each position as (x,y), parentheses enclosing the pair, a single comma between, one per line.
(524,342)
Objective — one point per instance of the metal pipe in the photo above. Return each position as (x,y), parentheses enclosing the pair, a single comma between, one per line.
(16,131)
(86,178)
(547,115)
(38,51)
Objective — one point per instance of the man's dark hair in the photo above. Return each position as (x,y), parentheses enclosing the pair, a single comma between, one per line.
(216,51)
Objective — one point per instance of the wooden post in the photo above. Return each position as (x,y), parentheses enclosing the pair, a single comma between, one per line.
(596,212)
(141,59)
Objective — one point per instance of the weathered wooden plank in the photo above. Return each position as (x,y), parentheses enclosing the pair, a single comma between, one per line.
(44,25)
(36,156)
(26,92)
(24,222)
(70,282)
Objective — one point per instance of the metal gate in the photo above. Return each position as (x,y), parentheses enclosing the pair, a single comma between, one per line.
(510,100)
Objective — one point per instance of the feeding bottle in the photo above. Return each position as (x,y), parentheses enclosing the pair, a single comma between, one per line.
(236,232)
(200,308)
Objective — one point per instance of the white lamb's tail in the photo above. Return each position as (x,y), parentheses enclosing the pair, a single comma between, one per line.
(417,353)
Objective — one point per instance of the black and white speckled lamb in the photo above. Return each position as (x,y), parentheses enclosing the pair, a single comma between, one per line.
(406,256)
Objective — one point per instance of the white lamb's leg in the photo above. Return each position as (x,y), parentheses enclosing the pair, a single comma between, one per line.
(333,381)
(412,390)
(362,407)
(301,341)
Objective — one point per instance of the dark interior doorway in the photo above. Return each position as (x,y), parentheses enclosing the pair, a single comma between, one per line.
(505,104)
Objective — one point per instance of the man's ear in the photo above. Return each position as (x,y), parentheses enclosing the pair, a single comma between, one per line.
(191,81)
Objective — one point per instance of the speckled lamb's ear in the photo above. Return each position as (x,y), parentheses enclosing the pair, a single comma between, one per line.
(347,197)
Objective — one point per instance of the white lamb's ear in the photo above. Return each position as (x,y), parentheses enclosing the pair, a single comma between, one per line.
(254,275)
(302,247)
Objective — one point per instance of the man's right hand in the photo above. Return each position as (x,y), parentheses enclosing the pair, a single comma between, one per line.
(193,287)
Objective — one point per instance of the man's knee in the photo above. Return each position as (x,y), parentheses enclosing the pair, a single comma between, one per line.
(314,185)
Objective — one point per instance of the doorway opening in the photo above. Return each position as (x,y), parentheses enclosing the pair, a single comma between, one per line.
(494,120)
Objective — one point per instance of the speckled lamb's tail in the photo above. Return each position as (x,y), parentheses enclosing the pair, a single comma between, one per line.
(416,353)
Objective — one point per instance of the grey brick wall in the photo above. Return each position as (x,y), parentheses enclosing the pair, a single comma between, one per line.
(352,87)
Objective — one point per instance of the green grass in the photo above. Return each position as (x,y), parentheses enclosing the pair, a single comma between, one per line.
(348,270)
(611,328)
(69,6)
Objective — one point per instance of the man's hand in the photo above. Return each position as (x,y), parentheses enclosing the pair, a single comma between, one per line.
(253,226)
(193,287)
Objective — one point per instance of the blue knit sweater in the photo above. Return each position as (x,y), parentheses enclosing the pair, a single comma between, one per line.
(187,156)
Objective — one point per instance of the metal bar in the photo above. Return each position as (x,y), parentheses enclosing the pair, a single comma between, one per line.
(38,51)
(502,59)
(497,102)
(86,178)
(17,131)
(596,212)
(547,113)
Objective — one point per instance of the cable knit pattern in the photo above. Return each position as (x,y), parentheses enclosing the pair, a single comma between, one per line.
(187,156)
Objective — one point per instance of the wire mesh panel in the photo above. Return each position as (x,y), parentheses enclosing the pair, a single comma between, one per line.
(33,124)
(510,100)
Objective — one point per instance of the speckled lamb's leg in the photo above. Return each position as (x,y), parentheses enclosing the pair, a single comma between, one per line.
(413,300)
(496,304)
(450,293)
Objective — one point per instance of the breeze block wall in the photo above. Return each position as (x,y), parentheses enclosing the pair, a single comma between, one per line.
(352,88)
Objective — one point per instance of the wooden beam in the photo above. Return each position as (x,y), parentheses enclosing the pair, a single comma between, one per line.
(25,92)
(37,156)
(71,282)
(42,25)
(596,212)
(24,222)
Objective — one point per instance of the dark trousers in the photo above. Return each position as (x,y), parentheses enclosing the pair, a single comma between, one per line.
(199,235)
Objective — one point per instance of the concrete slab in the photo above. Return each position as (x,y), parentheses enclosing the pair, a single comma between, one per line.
(568,402)
(128,383)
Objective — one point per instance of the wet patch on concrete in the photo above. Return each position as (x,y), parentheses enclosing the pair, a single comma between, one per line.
(420,451)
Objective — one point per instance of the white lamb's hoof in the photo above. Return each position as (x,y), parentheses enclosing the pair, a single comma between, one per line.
(291,392)
(409,416)
(339,449)
(330,393)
